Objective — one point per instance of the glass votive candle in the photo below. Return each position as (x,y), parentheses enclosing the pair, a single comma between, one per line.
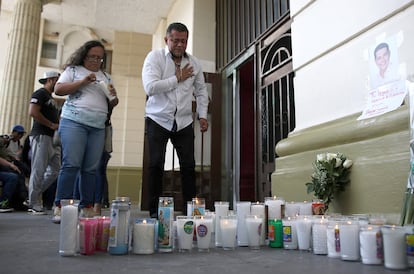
(394,247)
(87,235)
(228,227)
(303,229)
(275,207)
(305,208)
(198,206)
(143,236)
(221,209)
(292,209)
(102,233)
(254,229)
(349,239)
(290,238)
(319,236)
(370,240)
(332,238)
(185,233)
(204,226)
(242,210)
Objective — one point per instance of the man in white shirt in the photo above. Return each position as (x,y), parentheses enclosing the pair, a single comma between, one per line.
(172,78)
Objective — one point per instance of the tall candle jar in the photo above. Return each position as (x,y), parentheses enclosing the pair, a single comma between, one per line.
(242,210)
(222,209)
(185,232)
(165,224)
(102,233)
(68,227)
(333,238)
(253,225)
(304,230)
(319,236)
(409,242)
(228,227)
(143,236)
(290,238)
(204,227)
(305,208)
(259,210)
(118,242)
(292,209)
(394,247)
(275,207)
(198,206)
(349,239)
(370,240)
(87,235)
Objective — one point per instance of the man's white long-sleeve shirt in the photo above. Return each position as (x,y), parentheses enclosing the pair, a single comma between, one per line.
(168,99)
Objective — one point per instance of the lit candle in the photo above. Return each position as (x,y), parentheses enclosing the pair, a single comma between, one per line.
(228,227)
(143,236)
(87,235)
(292,209)
(242,210)
(185,233)
(274,207)
(198,206)
(221,209)
(319,237)
(290,238)
(253,225)
(304,228)
(68,227)
(371,244)
(332,238)
(305,208)
(349,239)
(259,210)
(102,233)
(394,247)
(204,225)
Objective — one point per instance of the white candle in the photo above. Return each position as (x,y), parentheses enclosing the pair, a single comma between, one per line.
(253,225)
(319,237)
(221,209)
(242,210)
(290,237)
(259,210)
(332,238)
(349,239)
(292,209)
(371,244)
(143,236)
(304,228)
(185,232)
(305,208)
(68,227)
(394,247)
(274,207)
(228,227)
(204,225)
(189,208)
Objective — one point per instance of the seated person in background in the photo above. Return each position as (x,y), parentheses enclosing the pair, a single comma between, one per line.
(9,176)
(15,147)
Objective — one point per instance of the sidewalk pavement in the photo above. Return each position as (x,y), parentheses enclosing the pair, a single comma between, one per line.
(29,244)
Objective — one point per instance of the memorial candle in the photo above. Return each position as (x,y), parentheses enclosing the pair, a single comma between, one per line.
(304,228)
(371,244)
(290,238)
(259,210)
(349,239)
(143,236)
(394,247)
(319,237)
(221,209)
(242,210)
(68,227)
(228,227)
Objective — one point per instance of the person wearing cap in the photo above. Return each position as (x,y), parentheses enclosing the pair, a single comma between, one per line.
(14,146)
(46,155)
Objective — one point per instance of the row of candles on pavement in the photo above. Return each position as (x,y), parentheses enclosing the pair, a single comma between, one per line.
(274,223)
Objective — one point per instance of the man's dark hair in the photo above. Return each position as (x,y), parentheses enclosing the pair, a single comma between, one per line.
(381,46)
(178,27)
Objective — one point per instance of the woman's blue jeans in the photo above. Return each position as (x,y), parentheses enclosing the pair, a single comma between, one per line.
(82,148)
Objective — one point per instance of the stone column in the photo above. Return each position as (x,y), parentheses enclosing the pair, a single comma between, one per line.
(20,66)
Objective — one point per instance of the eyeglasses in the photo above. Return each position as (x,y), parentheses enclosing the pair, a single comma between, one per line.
(177,41)
(94,59)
